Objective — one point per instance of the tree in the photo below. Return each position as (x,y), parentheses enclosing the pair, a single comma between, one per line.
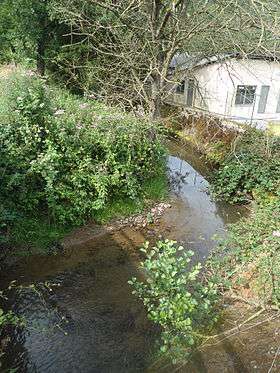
(10,45)
(135,40)
(27,31)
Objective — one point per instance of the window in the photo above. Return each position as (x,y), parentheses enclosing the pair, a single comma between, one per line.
(263,98)
(190,92)
(245,94)
(278,104)
(180,87)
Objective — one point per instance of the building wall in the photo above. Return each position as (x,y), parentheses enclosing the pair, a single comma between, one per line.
(217,85)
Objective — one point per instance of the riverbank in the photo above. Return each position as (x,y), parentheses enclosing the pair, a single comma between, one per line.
(246,169)
(37,235)
(88,275)
(246,341)
(84,161)
(88,278)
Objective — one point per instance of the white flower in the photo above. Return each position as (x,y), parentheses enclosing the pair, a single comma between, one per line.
(84,105)
(59,112)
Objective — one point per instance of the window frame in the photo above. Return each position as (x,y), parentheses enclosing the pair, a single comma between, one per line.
(181,87)
(278,104)
(246,98)
(263,99)
(191,90)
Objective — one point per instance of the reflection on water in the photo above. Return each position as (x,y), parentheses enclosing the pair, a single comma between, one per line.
(196,220)
(89,321)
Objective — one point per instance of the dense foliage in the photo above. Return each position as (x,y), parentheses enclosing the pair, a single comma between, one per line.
(249,260)
(122,51)
(251,168)
(66,156)
(249,257)
(29,35)
(176,297)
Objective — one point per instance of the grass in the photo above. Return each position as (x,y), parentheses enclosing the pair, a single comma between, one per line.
(274,128)
(248,261)
(119,208)
(36,235)
(155,189)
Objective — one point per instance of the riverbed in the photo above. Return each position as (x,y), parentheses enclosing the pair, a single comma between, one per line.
(79,311)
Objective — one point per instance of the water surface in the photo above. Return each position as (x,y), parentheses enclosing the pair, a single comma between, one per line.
(82,316)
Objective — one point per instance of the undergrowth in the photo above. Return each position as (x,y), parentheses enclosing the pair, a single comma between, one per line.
(177,298)
(251,169)
(65,159)
(182,298)
(248,262)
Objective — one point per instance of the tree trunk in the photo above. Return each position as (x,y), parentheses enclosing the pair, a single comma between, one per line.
(41,64)
(155,108)
(41,45)
(155,104)
(13,49)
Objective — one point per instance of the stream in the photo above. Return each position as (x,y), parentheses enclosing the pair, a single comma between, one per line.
(81,315)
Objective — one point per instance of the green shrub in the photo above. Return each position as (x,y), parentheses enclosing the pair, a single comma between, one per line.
(24,119)
(68,157)
(250,256)
(176,297)
(8,318)
(252,167)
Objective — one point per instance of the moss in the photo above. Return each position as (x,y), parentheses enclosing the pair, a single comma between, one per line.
(217,152)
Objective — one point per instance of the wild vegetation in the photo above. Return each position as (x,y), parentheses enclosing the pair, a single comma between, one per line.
(186,299)
(250,169)
(249,258)
(66,158)
(177,297)
(245,265)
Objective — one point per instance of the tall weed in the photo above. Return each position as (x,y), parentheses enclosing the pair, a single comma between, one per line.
(68,157)
(251,168)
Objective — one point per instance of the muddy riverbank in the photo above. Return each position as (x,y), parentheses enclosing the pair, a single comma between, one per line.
(81,315)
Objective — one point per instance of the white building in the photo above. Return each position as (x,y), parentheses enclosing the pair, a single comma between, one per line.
(228,86)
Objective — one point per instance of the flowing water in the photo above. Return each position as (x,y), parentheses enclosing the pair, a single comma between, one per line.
(81,315)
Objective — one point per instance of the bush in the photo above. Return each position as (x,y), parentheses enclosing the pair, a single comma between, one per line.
(252,167)
(250,256)
(67,156)
(176,297)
